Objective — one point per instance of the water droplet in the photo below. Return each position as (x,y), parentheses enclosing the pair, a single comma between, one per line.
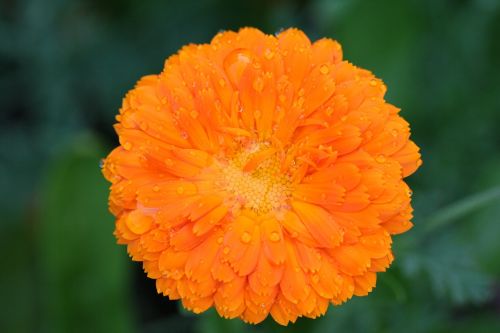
(235,64)
(226,250)
(282,98)
(410,193)
(373,83)
(323,69)
(156,188)
(246,237)
(274,237)
(268,54)
(220,240)
(127,145)
(222,82)
(380,158)
(279,31)
(258,84)
(184,135)
(193,114)
(101,163)
(257,114)
(394,132)
(180,190)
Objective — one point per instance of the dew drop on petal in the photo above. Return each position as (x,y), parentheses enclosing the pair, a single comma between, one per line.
(323,69)
(274,237)
(246,237)
(235,64)
(127,145)
(258,84)
(257,114)
(180,190)
(268,54)
(380,158)
(193,114)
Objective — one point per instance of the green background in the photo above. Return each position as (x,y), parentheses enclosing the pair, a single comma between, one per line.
(64,67)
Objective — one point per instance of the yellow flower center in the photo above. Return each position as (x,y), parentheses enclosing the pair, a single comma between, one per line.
(254,178)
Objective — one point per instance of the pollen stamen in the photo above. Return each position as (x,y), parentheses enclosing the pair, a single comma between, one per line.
(254,179)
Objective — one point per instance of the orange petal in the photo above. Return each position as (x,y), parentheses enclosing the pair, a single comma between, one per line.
(242,245)
(352,259)
(293,283)
(326,50)
(171,263)
(210,220)
(364,284)
(319,223)
(185,239)
(295,48)
(273,242)
(200,260)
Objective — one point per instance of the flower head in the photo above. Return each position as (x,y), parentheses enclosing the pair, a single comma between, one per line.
(261,175)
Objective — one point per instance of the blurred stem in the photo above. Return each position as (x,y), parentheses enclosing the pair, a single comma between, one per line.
(456,210)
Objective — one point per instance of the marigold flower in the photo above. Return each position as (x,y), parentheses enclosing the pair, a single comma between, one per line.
(261,174)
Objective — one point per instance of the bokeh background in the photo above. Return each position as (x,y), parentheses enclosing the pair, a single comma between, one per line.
(64,67)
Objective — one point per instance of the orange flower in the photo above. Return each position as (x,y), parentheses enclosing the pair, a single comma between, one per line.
(261,174)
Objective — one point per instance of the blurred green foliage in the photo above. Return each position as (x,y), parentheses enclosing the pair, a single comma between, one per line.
(64,67)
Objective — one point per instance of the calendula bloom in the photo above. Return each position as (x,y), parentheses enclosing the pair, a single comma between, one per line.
(260,175)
